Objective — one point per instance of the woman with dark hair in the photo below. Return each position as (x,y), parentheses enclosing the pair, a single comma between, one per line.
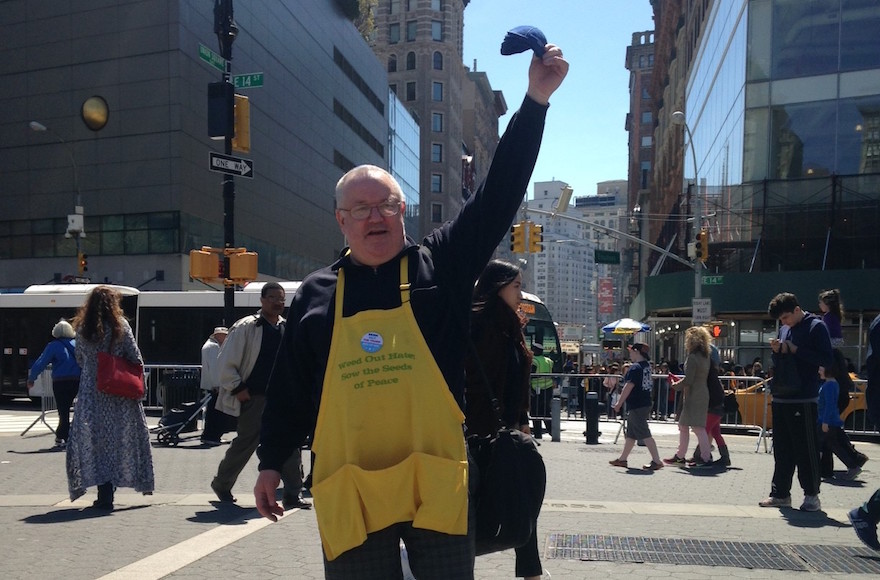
(109,442)
(832,315)
(501,357)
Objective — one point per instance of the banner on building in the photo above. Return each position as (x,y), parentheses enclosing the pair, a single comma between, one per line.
(606,296)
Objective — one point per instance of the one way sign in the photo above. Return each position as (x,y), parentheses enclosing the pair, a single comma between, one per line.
(231,165)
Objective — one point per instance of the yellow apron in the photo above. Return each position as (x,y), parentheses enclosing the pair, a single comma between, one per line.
(388,445)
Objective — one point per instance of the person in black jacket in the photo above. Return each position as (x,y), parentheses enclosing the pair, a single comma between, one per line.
(498,367)
(374,360)
(803,339)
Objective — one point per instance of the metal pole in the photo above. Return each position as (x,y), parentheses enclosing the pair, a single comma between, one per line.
(226,30)
(698,214)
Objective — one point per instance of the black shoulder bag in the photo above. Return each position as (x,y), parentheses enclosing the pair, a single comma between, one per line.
(511,479)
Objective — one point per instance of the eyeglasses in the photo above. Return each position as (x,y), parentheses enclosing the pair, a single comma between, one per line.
(387,208)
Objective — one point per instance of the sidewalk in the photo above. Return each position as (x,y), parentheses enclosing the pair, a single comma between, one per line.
(597,520)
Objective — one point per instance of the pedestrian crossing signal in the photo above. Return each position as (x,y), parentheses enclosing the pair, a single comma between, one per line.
(718,330)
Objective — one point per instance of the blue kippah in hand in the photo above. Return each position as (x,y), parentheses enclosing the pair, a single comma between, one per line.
(523,38)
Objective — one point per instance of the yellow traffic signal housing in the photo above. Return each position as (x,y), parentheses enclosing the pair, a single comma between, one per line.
(203,265)
(243,267)
(536,238)
(518,238)
(702,245)
(82,263)
(241,141)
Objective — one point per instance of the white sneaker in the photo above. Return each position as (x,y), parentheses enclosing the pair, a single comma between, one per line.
(811,503)
(775,502)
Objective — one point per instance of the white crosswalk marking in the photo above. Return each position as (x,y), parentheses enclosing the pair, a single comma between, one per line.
(16,424)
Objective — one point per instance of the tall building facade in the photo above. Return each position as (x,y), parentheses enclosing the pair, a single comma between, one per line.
(420,44)
(782,99)
(608,209)
(144,183)
(403,159)
(640,183)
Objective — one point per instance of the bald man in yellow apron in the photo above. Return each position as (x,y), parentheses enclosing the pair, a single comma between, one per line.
(373,357)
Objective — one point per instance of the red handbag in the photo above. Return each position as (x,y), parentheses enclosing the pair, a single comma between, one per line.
(120,377)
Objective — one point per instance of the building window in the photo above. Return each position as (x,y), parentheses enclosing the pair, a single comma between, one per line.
(436,5)
(393,88)
(438,60)
(436,153)
(437,122)
(436,183)
(647,117)
(395,7)
(411,30)
(647,140)
(392,63)
(645,94)
(437,30)
(437,91)
(410,60)
(437,213)
(410,4)
(394,33)
(642,61)
(645,174)
(411,91)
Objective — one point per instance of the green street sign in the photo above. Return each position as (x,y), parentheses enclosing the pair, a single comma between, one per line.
(212,58)
(248,81)
(713,280)
(606,257)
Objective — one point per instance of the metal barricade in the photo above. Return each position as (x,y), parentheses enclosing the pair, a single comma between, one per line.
(48,405)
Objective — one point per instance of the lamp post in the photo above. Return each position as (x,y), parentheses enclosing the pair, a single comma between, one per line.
(678,118)
(75,221)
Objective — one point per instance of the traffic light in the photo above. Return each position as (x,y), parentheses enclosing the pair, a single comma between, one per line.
(517,238)
(243,266)
(203,265)
(718,330)
(82,263)
(702,246)
(536,238)
(241,141)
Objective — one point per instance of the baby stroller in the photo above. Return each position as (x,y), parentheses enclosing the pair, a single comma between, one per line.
(181,419)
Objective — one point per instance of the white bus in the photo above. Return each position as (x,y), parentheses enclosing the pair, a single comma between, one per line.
(170,326)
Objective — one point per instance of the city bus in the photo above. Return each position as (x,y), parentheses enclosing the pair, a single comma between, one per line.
(540,328)
(170,326)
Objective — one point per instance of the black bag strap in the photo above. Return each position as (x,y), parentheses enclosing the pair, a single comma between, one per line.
(496,405)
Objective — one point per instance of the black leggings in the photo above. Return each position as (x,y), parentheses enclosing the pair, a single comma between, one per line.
(65,391)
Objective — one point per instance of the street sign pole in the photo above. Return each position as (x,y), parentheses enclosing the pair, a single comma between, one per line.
(226,31)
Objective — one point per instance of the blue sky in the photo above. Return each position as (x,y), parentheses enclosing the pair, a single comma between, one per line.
(584,140)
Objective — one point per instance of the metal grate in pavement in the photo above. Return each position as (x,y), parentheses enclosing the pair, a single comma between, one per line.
(752,555)
(839,559)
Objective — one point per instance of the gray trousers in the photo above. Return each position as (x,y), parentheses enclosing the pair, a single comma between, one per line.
(243,446)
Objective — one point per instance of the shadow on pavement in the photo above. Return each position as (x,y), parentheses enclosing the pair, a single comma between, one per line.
(819,519)
(226,513)
(37,451)
(75,514)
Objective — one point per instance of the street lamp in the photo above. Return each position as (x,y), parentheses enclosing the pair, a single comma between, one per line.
(678,118)
(75,221)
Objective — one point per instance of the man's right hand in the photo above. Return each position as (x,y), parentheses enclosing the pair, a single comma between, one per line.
(243,396)
(264,494)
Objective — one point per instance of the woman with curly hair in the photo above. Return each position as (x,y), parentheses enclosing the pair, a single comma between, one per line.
(695,396)
(109,442)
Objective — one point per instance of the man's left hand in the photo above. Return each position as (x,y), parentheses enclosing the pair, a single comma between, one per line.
(243,396)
